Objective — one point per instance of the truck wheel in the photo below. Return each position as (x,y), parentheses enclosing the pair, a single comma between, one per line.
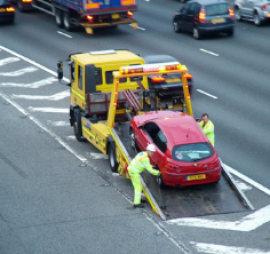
(112,158)
(59,18)
(68,22)
(77,126)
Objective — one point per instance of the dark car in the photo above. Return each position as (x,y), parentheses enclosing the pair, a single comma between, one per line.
(202,17)
(169,84)
(7,12)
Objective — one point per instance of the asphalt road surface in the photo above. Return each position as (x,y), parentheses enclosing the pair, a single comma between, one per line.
(59,196)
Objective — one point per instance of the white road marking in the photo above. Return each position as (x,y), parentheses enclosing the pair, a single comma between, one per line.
(64,34)
(243,186)
(71,138)
(247,223)
(58,123)
(49,110)
(32,62)
(34,85)
(97,156)
(220,249)
(19,72)
(55,97)
(208,94)
(9,60)
(38,123)
(209,52)
(139,28)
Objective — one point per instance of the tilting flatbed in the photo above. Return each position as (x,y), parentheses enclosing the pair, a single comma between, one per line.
(200,200)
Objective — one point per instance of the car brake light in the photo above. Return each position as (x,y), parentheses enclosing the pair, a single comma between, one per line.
(231,13)
(202,16)
(130,14)
(264,7)
(157,79)
(90,18)
(10,9)
(188,75)
(27,1)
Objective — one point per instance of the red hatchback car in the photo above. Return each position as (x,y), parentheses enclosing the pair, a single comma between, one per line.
(184,155)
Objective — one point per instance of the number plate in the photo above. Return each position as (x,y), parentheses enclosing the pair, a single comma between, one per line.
(196,177)
(173,80)
(2,9)
(220,20)
(115,16)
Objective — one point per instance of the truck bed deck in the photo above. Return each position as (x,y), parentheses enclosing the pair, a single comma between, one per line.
(207,199)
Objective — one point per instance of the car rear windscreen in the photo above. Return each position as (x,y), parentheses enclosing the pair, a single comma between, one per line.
(216,9)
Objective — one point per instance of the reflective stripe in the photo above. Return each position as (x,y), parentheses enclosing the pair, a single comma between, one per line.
(143,157)
(135,169)
(139,163)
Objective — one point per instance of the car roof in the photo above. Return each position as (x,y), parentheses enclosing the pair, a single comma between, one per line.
(178,127)
(207,2)
(159,59)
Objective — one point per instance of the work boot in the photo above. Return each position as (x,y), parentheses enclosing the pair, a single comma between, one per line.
(138,206)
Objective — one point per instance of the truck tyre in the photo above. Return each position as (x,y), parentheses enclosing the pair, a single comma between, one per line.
(67,21)
(59,18)
(112,158)
(77,126)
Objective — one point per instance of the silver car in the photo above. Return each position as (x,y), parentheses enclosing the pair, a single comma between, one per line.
(257,11)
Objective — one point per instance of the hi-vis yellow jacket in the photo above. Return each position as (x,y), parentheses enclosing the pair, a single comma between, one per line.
(208,130)
(140,163)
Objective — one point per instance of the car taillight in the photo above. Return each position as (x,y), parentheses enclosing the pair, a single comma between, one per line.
(231,13)
(90,18)
(216,163)
(27,1)
(130,14)
(10,9)
(157,79)
(202,16)
(264,7)
(188,75)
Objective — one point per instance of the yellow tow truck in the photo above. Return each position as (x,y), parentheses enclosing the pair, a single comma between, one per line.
(98,113)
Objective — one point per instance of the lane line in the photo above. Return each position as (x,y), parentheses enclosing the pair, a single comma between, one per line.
(221,249)
(64,34)
(139,28)
(34,85)
(208,94)
(49,110)
(58,123)
(55,97)
(19,72)
(209,52)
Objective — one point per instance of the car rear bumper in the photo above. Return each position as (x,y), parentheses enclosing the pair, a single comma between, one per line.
(7,17)
(216,29)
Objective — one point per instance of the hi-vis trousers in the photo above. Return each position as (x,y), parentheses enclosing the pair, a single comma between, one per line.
(136,182)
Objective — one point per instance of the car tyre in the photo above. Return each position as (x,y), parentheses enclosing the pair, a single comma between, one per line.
(132,140)
(230,32)
(112,158)
(77,126)
(256,19)
(196,33)
(176,27)
(238,16)
(160,181)
(59,18)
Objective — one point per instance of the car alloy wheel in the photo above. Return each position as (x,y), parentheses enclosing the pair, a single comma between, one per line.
(196,33)
(237,14)
(176,27)
(256,19)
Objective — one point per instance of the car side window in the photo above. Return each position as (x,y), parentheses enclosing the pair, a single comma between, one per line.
(161,141)
(185,9)
(191,10)
(152,130)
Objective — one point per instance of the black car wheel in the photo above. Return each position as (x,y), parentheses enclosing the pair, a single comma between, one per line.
(160,181)
(132,140)
(230,32)
(176,27)
(196,33)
